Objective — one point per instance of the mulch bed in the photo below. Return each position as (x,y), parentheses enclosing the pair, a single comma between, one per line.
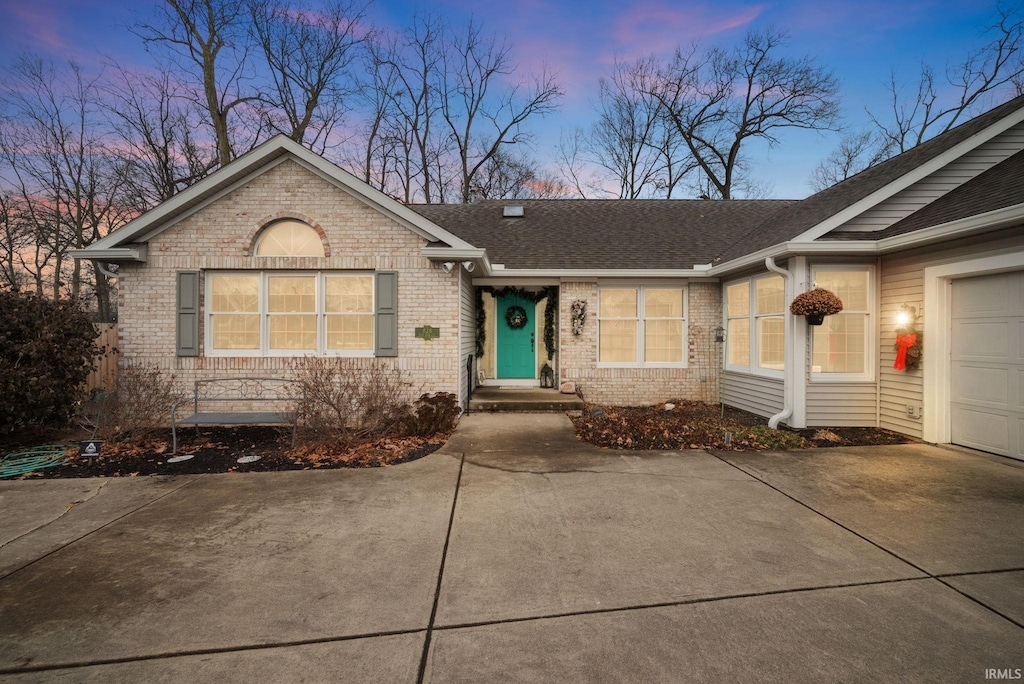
(217,450)
(695,425)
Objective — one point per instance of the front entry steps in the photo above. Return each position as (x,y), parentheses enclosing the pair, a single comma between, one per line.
(522,399)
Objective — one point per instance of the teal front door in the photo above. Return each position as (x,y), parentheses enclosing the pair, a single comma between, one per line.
(516,345)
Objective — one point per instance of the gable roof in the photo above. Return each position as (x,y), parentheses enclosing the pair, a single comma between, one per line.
(1000,187)
(602,234)
(818,208)
(115,246)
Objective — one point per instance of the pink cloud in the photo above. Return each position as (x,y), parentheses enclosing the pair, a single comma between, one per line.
(37,25)
(660,27)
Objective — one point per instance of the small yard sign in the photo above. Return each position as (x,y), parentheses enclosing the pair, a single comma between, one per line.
(428,332)
(90,448)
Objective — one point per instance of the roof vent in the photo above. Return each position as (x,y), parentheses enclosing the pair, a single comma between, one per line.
(512,211)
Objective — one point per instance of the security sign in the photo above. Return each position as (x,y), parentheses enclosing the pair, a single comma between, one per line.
(90,448)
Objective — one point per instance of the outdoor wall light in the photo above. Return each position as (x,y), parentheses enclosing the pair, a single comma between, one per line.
(469,266)
(448,266)
(905,316)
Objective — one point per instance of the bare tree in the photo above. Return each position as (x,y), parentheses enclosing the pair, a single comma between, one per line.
(67,182)
(856,152)
(719,99)
(308,55)
(211,39)
(575,169)
(995,69)
(15,242)
(411,65)
(156,126)
(633,139)
(479,119)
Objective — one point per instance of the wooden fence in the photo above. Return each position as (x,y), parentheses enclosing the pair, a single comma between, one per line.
(105,375)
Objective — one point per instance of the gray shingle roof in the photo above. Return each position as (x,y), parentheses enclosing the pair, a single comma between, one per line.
(606,234)
(1000,187)
(804,215)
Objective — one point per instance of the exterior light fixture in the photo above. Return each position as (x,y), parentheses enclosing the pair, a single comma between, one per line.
(448,266)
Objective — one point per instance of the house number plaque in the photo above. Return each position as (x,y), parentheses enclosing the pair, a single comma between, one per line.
(428,332)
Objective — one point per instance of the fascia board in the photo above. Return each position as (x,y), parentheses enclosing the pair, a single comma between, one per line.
(785,249)
(110,253)
(511,273)
(998,218)
(908,179)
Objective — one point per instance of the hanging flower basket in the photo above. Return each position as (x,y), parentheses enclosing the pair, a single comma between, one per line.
(815,305)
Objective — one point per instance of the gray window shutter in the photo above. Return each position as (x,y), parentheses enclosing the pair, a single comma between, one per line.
(187,343)
(387,314)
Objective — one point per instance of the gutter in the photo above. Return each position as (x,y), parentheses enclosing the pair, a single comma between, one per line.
(787,381)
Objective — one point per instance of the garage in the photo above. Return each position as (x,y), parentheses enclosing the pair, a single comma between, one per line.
(987,363)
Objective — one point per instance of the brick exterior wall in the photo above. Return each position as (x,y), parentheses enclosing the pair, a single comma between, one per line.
(220,237)
(639,386)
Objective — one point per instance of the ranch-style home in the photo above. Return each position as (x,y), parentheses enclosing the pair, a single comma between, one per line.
(281,254)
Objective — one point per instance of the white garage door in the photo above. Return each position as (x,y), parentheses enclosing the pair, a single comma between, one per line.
(987,372)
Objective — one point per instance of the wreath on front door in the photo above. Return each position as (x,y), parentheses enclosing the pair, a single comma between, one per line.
(515,316)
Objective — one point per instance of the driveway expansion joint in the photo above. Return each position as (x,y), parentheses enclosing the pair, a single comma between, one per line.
(440,574)
(671,604)
(70,507)
(49,667)
(94,531)
(930,575)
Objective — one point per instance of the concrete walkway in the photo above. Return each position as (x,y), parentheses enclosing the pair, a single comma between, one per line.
(517,553)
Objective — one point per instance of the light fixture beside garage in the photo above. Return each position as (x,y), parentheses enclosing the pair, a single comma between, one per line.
(908,340)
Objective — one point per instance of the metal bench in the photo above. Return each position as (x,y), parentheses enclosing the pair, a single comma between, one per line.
(220,392)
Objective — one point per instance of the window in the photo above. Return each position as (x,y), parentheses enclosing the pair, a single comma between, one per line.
(756,324)
(841,346)
(290,238)
(285,314)
(642,325)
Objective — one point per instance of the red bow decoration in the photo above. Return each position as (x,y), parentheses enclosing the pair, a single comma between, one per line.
(903,343)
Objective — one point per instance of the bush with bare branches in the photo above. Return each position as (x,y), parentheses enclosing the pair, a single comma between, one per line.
(138,407)
(342,403)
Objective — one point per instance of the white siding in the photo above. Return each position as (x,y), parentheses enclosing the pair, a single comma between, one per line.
(841,404)
(467,330)
(951,176)
(902,282)
(754,393)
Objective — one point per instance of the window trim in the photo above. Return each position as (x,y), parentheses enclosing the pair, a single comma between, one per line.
(753,367)
(321,325)
(870,329)
(641,320)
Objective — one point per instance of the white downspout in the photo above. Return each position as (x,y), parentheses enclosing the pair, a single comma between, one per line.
(787,381)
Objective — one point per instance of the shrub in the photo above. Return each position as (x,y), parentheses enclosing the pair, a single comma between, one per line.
(339,402)
(46,353)
(139,405)
(433,413)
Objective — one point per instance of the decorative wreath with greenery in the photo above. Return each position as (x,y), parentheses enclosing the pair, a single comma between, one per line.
(515,316)
(550,309)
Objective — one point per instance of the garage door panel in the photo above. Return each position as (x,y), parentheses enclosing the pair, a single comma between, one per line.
(981,340)
(982,430)
(977,384)
(981,297)
(987,363)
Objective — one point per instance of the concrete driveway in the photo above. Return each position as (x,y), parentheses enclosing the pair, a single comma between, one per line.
(519,554)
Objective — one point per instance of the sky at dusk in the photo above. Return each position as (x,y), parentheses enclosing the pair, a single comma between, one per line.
(861,41)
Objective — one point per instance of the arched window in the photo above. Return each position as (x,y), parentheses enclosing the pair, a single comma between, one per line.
(290,238)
